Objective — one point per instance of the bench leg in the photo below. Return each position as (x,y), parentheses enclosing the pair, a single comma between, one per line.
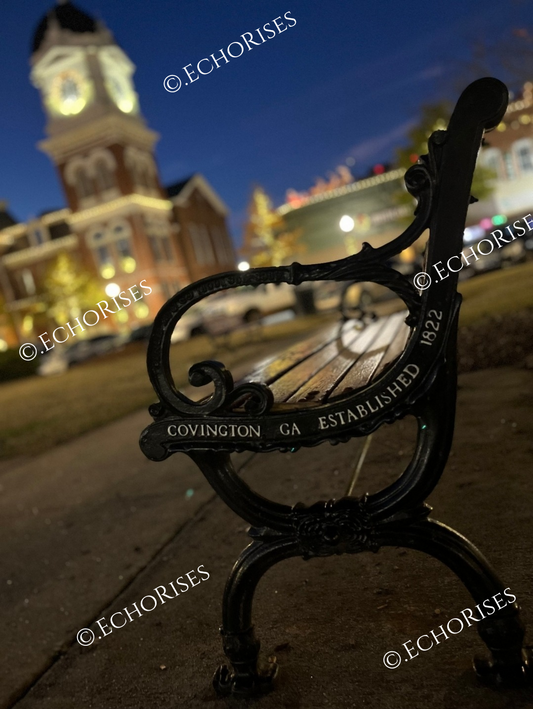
(503,632)
(241,647)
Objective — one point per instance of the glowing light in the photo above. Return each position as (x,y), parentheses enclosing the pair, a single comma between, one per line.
(112,290)
(499,219)
(126,105)
(485,223)
(27,323)
(122,316)
(107,271)
(3,346)
(346,223)
(501,127)
(525,118)
(243,266)
(378,169)
(142,310)
(413,157)
(129,264)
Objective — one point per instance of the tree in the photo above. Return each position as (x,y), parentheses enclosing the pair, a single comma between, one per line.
(69,290)
(267,241)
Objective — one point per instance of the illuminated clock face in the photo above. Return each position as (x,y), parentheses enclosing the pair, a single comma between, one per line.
(120,90)
(69,93)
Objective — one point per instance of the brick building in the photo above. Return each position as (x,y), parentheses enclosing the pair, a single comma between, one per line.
(120,223)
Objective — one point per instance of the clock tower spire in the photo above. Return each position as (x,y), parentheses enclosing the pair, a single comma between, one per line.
(103,151)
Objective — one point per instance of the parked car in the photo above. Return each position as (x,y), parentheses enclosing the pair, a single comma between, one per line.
(59,359)
(229,310)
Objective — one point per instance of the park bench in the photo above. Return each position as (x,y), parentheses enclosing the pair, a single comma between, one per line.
(345,382)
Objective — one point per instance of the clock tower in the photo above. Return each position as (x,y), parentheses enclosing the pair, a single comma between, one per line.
(103,151)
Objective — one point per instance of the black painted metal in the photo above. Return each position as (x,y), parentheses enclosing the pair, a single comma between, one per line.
(246,417)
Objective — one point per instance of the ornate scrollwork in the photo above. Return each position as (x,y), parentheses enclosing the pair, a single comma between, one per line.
(335,527)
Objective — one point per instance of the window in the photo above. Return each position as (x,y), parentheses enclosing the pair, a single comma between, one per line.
(167,248)
(156,248)
(206,245)
(193,235)
(83,185)
(123,248)
(38,236)
(509,165)
(104,178)
(104,256)
(28,282)
(166,290)
(493,163)
(524,156)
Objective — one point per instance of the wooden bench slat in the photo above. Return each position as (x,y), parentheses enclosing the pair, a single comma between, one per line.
(318,387)
(294,379)
(274,367)
(395,349)
(363,370)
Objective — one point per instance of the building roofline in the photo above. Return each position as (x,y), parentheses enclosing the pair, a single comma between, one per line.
(346,189)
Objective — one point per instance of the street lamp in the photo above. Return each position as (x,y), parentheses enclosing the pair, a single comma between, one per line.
(112,290)
(346,223)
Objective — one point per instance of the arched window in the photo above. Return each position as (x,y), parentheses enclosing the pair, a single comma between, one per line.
(104,177)
(523,150)
(493,161)
(84,187)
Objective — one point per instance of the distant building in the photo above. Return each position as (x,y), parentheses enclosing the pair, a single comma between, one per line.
(509,154)
(369,203)
(120,222)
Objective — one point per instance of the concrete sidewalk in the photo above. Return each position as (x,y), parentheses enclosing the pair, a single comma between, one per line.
(92,529)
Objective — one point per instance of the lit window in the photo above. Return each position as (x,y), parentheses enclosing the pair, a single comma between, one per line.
(29,283)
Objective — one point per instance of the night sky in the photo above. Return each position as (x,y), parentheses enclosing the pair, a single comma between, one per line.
(346,81)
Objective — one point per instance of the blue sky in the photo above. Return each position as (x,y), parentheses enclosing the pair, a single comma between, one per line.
(346,81)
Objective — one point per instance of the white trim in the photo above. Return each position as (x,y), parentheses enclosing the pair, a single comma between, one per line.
(35,253)
(346,189)
(199,182)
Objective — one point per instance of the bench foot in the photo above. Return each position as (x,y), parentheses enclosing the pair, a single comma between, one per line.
(503,632)
(241,647)
(510,664)
(499,674)
(245,680)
